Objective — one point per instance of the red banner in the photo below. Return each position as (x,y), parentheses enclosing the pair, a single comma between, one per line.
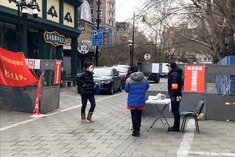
(194,78)
(13,70)
(36,112)
(38,96)
(57,73)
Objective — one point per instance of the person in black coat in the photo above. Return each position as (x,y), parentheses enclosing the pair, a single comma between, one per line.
(85,87)
(175,83)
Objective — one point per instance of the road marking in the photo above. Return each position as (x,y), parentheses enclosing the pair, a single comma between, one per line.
(16,124)
(77,97)
(211,153)
(187,140)
(54,113)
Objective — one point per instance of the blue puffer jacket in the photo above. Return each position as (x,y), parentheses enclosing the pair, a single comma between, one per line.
(136,85)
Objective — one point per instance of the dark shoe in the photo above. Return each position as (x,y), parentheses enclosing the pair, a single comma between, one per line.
(83,117)
(173,129)
(89,119)
(136,133)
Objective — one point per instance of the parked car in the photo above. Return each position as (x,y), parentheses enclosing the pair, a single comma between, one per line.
(153,77)
(123,72)
(107,79)
(163,75)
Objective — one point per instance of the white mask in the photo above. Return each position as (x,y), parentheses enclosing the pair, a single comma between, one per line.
(90,68)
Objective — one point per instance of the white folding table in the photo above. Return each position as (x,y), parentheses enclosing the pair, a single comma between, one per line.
(159,113)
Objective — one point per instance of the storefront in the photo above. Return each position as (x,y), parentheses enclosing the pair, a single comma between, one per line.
(30,35)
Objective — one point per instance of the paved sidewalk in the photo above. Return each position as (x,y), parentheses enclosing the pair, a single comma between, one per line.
(61,134)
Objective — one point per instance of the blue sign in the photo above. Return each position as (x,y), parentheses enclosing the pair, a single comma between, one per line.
(97,37)
(110,31)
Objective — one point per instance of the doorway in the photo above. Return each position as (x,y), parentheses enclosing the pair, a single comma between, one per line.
(33,43)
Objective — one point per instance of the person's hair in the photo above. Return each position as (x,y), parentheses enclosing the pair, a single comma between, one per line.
(172,64)
(87,64)
(134,69)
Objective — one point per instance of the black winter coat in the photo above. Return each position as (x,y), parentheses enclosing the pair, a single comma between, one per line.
(175,83)
(85,83)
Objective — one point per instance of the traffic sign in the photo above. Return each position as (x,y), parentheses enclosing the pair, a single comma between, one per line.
(97,37)
(84,47)
(147,56)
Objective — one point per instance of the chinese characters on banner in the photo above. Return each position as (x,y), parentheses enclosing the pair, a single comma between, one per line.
(57,73)
(13,70)
(194,78)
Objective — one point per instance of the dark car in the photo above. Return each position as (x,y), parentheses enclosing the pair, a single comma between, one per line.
(123,72)
(107,79)
(163,75)
(153,77)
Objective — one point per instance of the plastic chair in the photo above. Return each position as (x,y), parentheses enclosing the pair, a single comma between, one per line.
(193,114)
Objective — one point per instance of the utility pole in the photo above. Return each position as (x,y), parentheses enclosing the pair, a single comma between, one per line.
(98,26)
(18,29)
(133,40)
(155,48)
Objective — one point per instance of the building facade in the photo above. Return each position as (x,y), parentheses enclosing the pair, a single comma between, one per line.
(86,51)
(42,37)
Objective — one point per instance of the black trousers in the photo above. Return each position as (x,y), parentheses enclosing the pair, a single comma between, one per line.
(91,99)
(136,119)
(175,105)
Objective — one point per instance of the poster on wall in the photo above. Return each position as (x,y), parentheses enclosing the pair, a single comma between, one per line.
(194,79)
(33,63)
(155,67)
(165,68)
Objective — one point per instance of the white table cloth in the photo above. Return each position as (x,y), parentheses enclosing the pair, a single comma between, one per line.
(159,113)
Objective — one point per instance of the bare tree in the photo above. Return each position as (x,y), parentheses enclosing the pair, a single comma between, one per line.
(217,24)
(211,22)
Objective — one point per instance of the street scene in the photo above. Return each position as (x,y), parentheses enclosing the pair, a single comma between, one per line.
(117,78)
(61,133)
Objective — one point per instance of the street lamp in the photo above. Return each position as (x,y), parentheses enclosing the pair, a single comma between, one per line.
(133,40)
(98,26)
(131,52)
(22,6)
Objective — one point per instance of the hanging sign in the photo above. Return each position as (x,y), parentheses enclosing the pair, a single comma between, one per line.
(84,46)
(194,79)
(54,38)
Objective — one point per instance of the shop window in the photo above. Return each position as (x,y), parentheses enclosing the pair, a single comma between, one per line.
(33,43)
(8,36)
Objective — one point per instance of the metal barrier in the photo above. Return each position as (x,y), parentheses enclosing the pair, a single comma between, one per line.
(219,93)
(23,99)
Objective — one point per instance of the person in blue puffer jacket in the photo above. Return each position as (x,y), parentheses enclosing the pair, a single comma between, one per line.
(136,85)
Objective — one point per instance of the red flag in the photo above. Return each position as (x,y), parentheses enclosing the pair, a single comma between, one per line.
(13,70)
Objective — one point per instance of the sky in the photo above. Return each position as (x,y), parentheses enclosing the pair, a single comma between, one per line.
(126,8)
